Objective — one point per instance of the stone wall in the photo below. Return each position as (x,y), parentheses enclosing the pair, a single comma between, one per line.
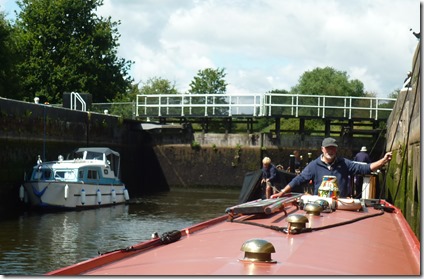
(403,178)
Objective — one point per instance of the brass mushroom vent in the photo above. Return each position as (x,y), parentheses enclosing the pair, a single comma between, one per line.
(297,222)
(313,209)
(257,250)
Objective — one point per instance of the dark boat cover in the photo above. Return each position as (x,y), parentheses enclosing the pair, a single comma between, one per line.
(252,188)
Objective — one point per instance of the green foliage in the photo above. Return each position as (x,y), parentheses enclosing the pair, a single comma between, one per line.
(9,84)
(66,47)
(209,81)
(328,81)
(195,145)
(157,85)
(263,124)
(394,94)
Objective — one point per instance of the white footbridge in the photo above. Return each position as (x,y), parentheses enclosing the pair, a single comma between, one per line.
(263,105)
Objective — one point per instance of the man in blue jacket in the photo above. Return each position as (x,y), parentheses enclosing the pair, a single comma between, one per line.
(363,158)
(329,164)
(269,176)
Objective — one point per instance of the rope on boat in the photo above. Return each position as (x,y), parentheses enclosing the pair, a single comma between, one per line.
(303,230)
(166,238)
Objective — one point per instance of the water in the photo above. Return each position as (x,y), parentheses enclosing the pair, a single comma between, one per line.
(36,243)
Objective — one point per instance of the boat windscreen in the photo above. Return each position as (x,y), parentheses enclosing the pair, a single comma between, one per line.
(42,174)
(94,155)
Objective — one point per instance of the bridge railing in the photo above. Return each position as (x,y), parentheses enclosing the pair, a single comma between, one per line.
(268,104)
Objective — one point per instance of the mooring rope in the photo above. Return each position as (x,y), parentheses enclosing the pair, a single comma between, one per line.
(285,229)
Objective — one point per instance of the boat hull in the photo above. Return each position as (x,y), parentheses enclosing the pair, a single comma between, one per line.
(372,241)
(70,195)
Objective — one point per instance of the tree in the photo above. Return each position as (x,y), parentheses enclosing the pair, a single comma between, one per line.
(157,85)
(9,84)
(210,81)
(66,47)
(328,81)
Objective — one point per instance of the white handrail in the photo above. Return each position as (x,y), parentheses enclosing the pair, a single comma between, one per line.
(270,104)
(74,97)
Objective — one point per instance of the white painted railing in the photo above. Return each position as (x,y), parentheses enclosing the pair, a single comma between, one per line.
(256,105)
(77,97)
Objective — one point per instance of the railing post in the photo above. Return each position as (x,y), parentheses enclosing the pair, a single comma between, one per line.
(376,109)
(182,104)
(167,105)
(261,105)
(206,105)
(270,105)
(344,107)
(190,110)
(323,107)
(319,105)
(297,105)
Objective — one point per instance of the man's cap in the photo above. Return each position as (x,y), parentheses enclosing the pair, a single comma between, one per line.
(364,149)
(329,142)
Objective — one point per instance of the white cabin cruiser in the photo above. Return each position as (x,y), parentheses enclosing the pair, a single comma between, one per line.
(89,177)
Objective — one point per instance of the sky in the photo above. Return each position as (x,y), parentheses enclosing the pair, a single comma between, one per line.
(265,44)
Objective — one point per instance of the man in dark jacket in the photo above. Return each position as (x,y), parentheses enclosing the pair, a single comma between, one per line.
(329,164)
(363,158)
(269,176)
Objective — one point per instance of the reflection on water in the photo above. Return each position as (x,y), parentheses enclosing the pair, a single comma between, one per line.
(36,243)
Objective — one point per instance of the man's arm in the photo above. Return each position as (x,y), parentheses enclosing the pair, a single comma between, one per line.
(378,164)
(285,190)
(306,175)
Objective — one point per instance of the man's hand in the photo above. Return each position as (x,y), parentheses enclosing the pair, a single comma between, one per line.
(387,157)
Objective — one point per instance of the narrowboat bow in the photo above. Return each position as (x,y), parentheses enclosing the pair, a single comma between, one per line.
(293,235)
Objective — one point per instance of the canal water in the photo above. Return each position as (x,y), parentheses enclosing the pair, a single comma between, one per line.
(36,243)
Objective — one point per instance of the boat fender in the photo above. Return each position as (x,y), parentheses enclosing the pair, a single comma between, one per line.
(82,196)
(65,194)
(22,193)
(113,196)
(170,236)
(349,204)
(99,196)
(126,195)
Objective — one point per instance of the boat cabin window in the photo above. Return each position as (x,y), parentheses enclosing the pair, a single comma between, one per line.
(65,175)
(92,174)
(94,156)
(43,174)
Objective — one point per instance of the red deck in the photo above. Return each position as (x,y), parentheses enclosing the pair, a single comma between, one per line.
(380,245)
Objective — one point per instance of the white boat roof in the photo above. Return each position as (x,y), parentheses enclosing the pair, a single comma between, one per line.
(105,150)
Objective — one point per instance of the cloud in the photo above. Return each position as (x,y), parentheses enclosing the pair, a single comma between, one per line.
(267,44)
